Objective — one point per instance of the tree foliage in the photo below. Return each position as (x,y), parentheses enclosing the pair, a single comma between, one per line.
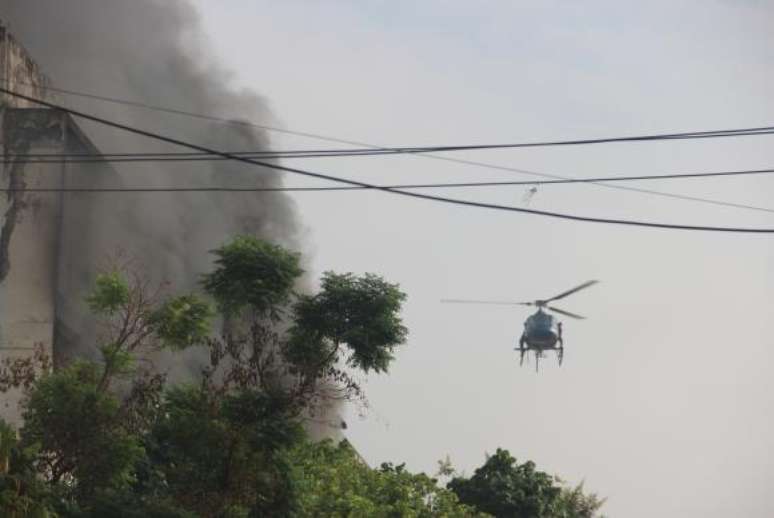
(502,487)
(110,293)
(251,273)
(113,437)
(574,503)
(78,432)
(506,489)
(220,453)
(183,321)
(22,493)
(335,482)
(360,313)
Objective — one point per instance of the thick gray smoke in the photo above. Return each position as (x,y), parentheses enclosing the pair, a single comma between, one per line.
(152,52)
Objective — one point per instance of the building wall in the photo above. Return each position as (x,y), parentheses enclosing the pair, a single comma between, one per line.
(19,72)
(43,278)
(30,223)
(52,244)
(28,238)
(86,245)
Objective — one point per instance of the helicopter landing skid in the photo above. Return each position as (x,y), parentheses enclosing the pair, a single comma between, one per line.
(523,350)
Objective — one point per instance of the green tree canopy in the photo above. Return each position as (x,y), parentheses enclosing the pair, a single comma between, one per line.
(335,482)
(506,489)
(252,273)
(114,437)
(361,313)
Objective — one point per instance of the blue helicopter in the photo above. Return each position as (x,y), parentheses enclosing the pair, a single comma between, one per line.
(542,331)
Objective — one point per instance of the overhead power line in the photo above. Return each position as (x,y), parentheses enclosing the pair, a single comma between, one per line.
(139,157)
(79,158)
(289,189)
(51,158)
(378,187)
(475,163)
(722,133)
(339,188)
(86,158)
(321,176)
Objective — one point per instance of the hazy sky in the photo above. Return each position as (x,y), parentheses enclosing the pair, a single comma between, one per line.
(664,403)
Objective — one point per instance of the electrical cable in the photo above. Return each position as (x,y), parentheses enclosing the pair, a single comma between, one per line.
(671,176)
(475,163)
(321,176)
(735,132)
(129,157)
(142,157)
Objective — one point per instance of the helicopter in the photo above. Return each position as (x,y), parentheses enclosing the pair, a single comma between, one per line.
(542,331)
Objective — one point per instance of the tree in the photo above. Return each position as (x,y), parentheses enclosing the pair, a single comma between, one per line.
(77,428)
(335,482)
(22,494)
(224,453)
(252,273)
(86,433)
(360,313)
(506,489)
(574,503)
(351,318)
(112,437)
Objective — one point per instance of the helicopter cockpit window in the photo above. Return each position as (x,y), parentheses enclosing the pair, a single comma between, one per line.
(541,321)
(543,318)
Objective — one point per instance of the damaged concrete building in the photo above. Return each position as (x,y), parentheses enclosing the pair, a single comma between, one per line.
(36,264)
(54,238)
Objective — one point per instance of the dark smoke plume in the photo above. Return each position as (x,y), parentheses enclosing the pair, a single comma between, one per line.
(152,52)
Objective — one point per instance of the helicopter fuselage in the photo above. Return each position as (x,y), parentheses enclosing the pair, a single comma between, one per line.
(541,331)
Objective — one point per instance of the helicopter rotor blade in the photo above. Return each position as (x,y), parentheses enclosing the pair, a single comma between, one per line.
(570,292)
(498,302)
(566,313)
